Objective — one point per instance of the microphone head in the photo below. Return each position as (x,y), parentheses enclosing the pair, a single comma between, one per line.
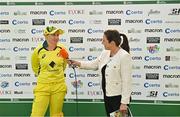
(64,54)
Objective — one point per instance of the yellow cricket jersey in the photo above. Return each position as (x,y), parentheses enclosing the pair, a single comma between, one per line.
(48,65)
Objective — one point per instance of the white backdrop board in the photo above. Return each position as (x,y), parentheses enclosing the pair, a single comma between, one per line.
(153,31)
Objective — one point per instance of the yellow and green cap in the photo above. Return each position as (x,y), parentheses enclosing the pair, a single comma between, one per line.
(51,30)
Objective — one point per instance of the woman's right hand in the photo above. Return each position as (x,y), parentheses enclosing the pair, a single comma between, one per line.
(74,63)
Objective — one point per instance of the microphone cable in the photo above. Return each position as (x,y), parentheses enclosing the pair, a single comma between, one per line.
(76,86)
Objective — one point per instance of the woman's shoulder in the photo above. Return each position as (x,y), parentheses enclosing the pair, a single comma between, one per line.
(124,53)
(104,54)
(38,48)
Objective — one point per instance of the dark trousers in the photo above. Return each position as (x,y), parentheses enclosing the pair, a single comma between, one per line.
(112,103)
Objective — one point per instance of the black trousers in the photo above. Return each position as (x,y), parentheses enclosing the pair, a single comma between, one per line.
(112,103)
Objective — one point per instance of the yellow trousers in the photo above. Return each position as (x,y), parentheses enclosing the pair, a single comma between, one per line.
(49,94)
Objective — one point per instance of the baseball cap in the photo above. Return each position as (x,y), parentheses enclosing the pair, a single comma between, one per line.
(51,30)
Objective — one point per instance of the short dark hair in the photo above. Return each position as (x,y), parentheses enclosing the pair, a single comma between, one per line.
(114,35)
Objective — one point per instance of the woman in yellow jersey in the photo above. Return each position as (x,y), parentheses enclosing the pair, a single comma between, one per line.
(49,66)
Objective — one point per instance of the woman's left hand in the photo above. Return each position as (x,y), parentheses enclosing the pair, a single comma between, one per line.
(123,109)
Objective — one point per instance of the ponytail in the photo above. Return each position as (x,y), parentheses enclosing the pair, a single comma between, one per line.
(124,42)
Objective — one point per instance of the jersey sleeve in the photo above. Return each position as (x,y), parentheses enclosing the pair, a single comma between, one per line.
(35,62)
(65,61)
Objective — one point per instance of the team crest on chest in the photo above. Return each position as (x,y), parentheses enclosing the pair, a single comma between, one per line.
(43,56)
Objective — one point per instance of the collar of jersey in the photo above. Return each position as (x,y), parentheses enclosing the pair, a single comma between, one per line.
(45,45)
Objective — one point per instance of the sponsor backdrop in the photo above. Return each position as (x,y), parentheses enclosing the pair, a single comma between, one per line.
(152,29)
